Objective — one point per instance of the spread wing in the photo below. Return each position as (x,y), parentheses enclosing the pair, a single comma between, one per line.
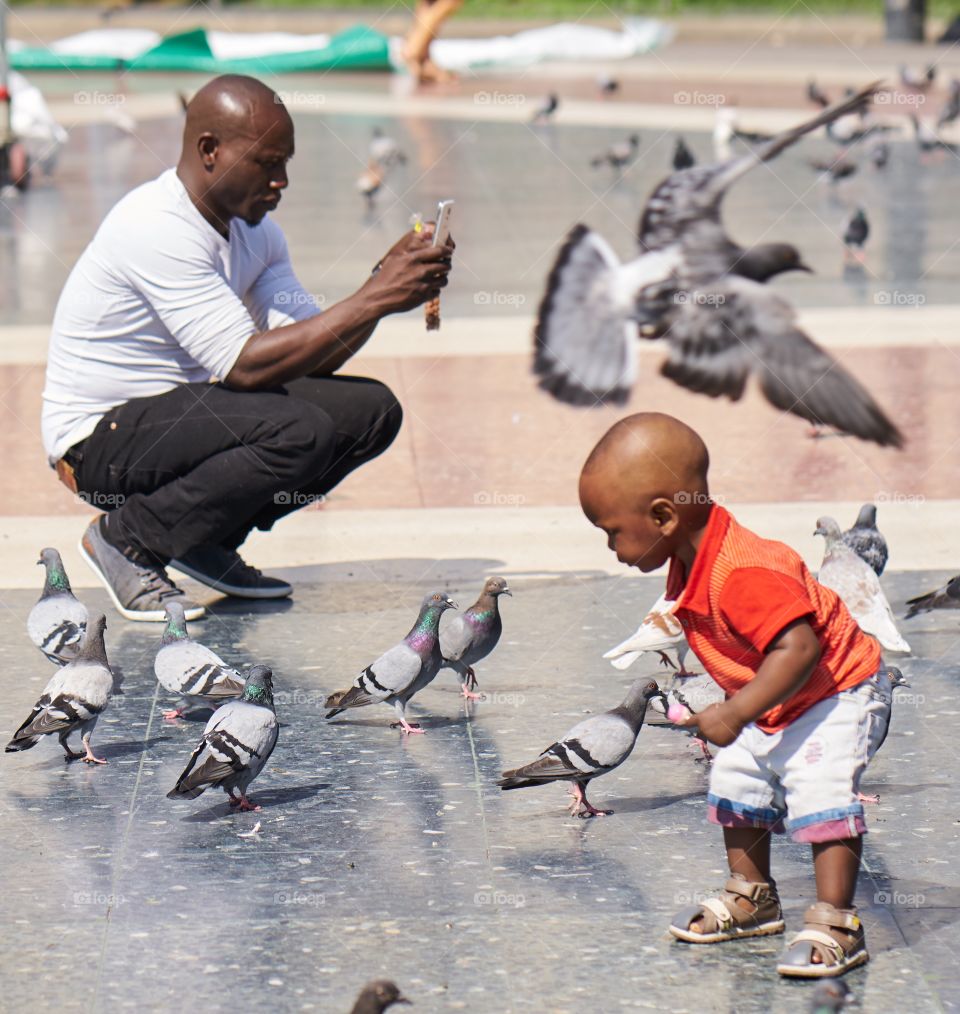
(722,333)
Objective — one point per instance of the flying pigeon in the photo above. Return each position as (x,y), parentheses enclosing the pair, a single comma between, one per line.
(865,540)
(468,637)
(189,669)
(401,672)
(945,597)
(385,151)
(858,587)
(696,289)
(236,743)
(660,631)
(683,157)
(57,622)
(377,996)
(544,112)
(73,699)
(618,155)
(591,748)
(855,236)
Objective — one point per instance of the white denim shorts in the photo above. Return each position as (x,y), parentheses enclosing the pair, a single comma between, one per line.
(804,779)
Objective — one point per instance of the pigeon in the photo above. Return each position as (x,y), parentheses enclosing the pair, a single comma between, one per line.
(468,637)
(829,996)
(816,95)
(73,699)
(683,157)
(236,743)
(591,748)
(945,597)
(403,671)
(618,155)
(916,81)
(370,182)
(880,154)
(385,151)
(697,289)
(855,236)
(57,622)
(837,169)
(377,996)
(865,540)
(544,112)
(858,587)
(951,109)
(660,631)
(608,85)
(927,138)
(190,670)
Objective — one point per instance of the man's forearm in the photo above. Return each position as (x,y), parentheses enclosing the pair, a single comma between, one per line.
(316,346)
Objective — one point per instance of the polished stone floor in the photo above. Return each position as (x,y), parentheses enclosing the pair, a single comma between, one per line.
(383,856)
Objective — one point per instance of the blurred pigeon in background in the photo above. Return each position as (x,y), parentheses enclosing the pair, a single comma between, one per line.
(377,996)
(544,112)
(619,155)
(683,157)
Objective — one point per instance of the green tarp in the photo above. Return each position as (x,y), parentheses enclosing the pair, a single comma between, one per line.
(357,48)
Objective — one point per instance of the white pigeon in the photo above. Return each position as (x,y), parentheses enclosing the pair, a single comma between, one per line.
(385,150)
(858,586)
(659,632)
(189,669)
(73,699)
(57,622)
(236,743)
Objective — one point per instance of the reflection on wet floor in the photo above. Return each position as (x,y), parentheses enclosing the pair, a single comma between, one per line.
(379,855)
(518,190)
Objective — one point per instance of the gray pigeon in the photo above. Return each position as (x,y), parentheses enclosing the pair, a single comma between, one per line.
(237,742)
(377,996)
(691,286)
(945,597)
(591,748)
(858,586)
(403,671)
(73,699)
(57,622)
(468,637)
(189,669)
(865,539)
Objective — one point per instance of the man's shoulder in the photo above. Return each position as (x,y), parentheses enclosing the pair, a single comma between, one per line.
(154,205)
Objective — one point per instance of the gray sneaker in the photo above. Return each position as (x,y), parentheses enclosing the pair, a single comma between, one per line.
(225,570)
(139,591)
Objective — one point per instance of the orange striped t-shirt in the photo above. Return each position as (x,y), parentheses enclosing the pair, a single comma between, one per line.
(740,594)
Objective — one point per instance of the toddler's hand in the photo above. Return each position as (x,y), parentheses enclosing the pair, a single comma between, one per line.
(717,724)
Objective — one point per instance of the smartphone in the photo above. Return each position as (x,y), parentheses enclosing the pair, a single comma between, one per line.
(442,229)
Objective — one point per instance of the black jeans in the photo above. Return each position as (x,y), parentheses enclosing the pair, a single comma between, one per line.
(203,464)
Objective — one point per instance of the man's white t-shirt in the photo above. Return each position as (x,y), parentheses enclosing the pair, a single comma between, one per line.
(160,298)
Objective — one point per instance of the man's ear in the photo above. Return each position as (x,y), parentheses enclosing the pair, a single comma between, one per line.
(207,147)
(664,514)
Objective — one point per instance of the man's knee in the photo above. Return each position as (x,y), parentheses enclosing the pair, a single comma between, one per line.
(309,436)
(387,413)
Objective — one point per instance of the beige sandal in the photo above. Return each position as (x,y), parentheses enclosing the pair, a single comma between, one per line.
(725,918)
(834,935)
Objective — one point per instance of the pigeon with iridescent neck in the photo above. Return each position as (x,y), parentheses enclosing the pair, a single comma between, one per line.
(73,699)
(468,637)
(192,670)
(403,671)
(237,742)
(57,622)
(593,747)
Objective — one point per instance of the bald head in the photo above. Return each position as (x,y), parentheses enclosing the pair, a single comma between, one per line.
(645,484)
(237,140)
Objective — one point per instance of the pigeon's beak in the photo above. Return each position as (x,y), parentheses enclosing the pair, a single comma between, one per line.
(800,266)
(451,604)
(40,562)
(819,531)
(403,999)
(506,591)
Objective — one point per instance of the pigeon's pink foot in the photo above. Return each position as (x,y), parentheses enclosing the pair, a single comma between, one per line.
(408,729)
(471,680)
(174,713)
(707,756)
(90,758)
(469,694)
(581,808)
(666,660)
(861,798)
(244,804)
